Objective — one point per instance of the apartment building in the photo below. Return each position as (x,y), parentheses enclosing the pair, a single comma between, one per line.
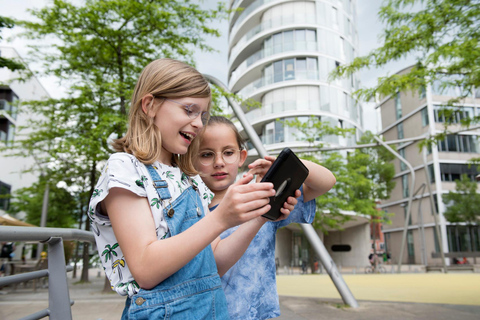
(280,54)
(408,115)
(12,93)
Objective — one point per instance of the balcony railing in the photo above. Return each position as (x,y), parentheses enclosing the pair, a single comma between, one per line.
(268,24)
(59,303)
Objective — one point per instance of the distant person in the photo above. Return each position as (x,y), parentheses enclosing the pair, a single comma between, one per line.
(7,254)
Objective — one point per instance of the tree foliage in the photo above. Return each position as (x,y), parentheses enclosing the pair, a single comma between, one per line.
(442,35)
(363,176)
(62,209)
(10,64)
(97,50)
(463,205)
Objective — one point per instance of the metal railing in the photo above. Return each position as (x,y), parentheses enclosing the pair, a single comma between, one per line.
(59,303)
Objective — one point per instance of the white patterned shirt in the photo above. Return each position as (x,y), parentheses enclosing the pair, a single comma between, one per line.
(123,170)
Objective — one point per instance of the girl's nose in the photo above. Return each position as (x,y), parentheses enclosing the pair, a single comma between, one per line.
(197,122)
(218,162)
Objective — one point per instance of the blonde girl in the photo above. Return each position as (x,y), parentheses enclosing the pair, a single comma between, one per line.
(156,244)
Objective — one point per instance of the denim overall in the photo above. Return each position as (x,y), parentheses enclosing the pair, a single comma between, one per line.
(193,292)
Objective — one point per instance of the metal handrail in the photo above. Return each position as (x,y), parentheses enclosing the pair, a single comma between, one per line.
(59,303)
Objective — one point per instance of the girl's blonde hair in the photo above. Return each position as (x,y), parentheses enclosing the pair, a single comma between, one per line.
(165,78)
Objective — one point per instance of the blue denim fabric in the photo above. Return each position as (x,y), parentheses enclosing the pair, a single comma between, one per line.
(194,291)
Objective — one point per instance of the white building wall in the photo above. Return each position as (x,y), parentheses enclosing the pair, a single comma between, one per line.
(358,238)
(280,54)
(12,167)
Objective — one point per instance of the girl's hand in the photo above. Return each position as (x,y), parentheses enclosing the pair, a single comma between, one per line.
(289,205)
(260,167)
(244,201)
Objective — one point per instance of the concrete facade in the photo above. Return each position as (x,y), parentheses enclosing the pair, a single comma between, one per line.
(280,55)
(408,115)
(12,175)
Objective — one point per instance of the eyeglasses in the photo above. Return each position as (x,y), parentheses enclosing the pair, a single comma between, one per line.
(208,157)
(192,110)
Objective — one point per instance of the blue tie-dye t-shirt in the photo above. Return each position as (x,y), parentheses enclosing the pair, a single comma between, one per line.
(250,285)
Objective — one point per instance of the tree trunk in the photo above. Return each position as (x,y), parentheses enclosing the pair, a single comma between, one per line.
(86,262)
(86,245)
(106,286)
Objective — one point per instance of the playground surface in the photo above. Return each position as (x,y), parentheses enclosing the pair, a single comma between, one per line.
(302,297)
(450,288)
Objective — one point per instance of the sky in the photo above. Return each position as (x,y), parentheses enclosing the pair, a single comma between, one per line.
(216,64)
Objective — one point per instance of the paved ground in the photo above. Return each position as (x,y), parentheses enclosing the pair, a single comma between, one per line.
(391,296)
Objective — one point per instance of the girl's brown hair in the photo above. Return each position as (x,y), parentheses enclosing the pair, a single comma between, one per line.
(166,78)
(222,120)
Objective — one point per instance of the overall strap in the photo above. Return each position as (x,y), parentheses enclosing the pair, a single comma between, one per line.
(160,185)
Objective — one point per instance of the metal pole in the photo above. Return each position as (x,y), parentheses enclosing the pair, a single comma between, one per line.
(43,219)
(434,212)
(308,229)
(409,205)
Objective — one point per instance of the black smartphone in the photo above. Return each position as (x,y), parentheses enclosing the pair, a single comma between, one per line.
(287,174)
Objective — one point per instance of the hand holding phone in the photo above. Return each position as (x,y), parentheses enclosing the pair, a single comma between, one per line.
(287,174)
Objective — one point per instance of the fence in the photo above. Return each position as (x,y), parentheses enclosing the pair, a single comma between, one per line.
(59,303)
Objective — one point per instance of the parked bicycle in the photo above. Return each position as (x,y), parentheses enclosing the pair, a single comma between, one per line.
(377,269)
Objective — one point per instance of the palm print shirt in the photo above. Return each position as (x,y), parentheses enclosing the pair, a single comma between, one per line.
(124,171)
(250,285)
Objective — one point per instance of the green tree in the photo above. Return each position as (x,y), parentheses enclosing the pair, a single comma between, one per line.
(5,62)
(97,49)
(443,37)
(363,177)
(62,208)
(463,204)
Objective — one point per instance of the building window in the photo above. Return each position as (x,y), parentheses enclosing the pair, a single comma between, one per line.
(424,113)
(335,16)
(463,238)
(294,69)
(410,246)
(405,186)
(398,106)
(405,215)
(5,190)
(422,92)
(403,166)
(453,171)
(431,173)
(458,143)
(435,239)
(400,131)
(454,115)
(298,39)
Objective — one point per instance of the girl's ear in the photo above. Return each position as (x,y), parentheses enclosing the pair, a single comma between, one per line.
(147,102)
(243,157)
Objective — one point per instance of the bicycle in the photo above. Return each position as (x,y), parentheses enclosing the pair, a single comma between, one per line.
(378,269)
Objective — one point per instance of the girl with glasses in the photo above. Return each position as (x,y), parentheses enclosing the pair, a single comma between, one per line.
(155,242)
(250,285)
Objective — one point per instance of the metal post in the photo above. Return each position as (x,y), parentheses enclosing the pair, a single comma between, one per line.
(329,265)
(308,229)
(43,219)
(58,298)
(409,205)
(434,212)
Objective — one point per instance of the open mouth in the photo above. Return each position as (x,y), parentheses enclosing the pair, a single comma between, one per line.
(219,174)
(187,136)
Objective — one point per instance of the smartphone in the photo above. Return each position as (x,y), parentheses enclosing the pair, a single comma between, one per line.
(287,174)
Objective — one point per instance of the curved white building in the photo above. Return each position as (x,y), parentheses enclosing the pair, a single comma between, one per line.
(280,54)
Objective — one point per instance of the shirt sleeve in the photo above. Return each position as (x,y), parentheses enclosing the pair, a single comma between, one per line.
(120,171)
(304,212)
